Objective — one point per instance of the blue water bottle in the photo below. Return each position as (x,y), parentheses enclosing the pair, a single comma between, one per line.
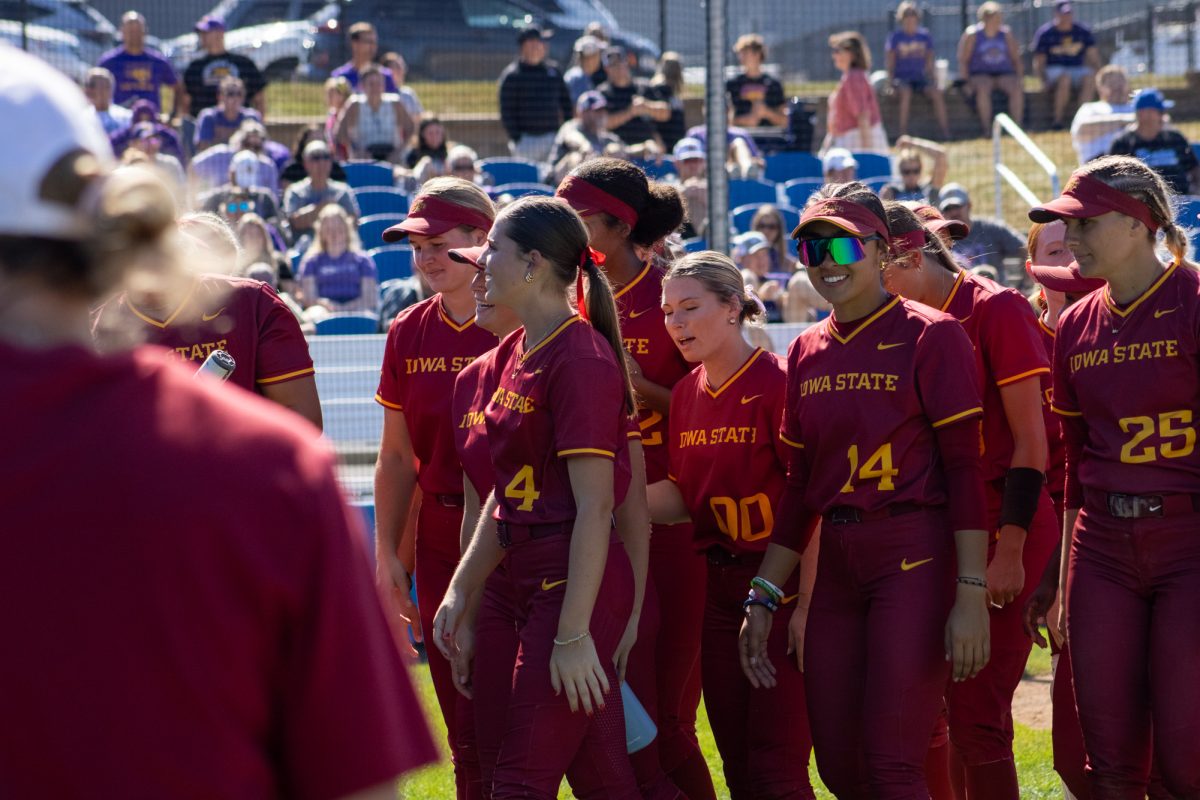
(639,728)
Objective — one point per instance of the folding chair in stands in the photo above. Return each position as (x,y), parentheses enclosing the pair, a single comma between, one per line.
(695,244)
(381,200)
(370,229)
(510,170)
(392,261)
(368,173)
(742,192)
(873,165)
(347,324)
(740,217)
(522,189)
(797,191)
(786,165)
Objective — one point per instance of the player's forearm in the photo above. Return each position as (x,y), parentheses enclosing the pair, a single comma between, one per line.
(808,569)
(655,397)
(666,504)
(971,549)
(778,564)
(633,524)
(585,570)
(1064,565)
(395,482)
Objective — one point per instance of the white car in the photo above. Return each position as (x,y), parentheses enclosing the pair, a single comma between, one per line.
(1170,51)
(59,49)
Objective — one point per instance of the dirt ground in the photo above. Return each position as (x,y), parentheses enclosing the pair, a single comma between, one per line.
(1031,703)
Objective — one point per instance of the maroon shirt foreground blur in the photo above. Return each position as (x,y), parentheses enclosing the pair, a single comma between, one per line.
(185,597)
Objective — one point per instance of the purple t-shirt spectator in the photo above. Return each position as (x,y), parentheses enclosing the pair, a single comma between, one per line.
(1063,48)
(338,279)
(348,72)
(139,77)
(733,132)
(213,126)
(912,50)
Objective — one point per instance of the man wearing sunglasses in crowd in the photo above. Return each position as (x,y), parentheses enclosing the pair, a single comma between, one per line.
(303,200)
(217,124)
(241,195)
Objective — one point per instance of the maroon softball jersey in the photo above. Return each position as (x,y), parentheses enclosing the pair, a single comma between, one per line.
(863,401)
(243,317)
(1003,329)
(190,612)
(1130,376)
(726,456)
(1056,472)
(426,349)
(639,304)
(559,399)
(472,389)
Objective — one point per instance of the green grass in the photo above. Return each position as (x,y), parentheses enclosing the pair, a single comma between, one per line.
(1032,748)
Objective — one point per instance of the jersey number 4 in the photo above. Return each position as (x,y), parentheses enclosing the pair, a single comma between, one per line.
(522,488)
(878,465)
(1170,425)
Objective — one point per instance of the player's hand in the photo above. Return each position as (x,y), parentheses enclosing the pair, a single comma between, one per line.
(1056,635)
(968,633)
(1036,611)
(462,646)
(447,621)
(1005,572)
(752,647)
(796,626)
(770,290)
(628,639)
(576,669)
(396,588)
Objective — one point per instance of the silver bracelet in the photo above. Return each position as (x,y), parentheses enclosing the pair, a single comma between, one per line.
(572,640)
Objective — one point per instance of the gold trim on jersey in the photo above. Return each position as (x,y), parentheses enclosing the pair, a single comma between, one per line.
(553,334)
(886,308)
(1108,301)
(1064,412)
(958,282)
(386,404)
(1049,331)
(790,443)
(956,417)
(164,323)
(715,393)
(287,375)
(449,320)
(586,451)
(645,271)
(635,434)
(1022,376)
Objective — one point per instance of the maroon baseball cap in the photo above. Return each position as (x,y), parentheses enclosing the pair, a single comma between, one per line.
(468,255)
(431,216)
(1063,279)
(850,217)
(934,221)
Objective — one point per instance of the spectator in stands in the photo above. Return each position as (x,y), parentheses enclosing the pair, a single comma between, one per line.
(1064,56)
(262,272)
(1164,150)
(803,303)
(305,199)
(756,99)
(838,165)
(429,143)
(337,94)
(911,66)
(98,86)
(910,162)
(752,254)
(258,247)
(364,45)
(395,63)
(988,241)
(373,124)
(854,120)
(692,165)
(769,222)
(140,73)
(587,72)
(743,160)
(335,273)
(215,125)
(148,140)
(631,114)
(598,31)
(667,87)
(202,78)
(1097,123)
(534,100)
(587,132)
(144,111)
(293,170)
(241,195)
(462,162)
(989,59)
(211,168)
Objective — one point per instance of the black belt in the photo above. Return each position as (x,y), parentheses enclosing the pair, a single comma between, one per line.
(844,515)
(509,534)
(1139,506)
(720,557)
(450,500)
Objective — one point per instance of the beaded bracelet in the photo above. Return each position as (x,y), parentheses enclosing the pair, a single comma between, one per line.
(770,589)
(572,640)
(980,582)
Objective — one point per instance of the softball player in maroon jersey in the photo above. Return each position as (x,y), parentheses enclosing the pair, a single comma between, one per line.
(556,428)
(428,345)
(1132,510)
(1015,374)
(728,472)
(626,216)
(882,414)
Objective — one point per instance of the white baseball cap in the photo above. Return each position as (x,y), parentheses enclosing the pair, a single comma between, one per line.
(749,243)
(688,147)
(245,169)
(838,158)
(48,118)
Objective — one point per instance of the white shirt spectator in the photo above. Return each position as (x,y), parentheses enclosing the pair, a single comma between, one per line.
(1089,147)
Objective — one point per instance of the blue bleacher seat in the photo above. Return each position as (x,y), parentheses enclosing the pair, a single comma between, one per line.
(510,170)
(741,217)
(744,192)
(789,164)
(873,165)
(297,257)
(370,229)
(521,189)
(340,324)
(392,261)
(695,244)
(368,173)
(381,200)
(658,170)
(797,191)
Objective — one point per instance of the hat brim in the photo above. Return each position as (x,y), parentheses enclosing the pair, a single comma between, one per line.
(468,255)
(840,222)
(1065,207)
(421,226)
(1064,279)
(954,228)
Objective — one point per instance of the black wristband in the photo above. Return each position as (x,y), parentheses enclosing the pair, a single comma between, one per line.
(1022,492)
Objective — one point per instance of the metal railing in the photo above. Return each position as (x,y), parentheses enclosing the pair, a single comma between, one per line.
(1000,125)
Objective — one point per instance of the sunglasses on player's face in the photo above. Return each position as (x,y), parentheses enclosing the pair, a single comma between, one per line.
(844,250)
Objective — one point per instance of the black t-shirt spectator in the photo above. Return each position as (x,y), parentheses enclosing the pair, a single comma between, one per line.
(203,77)
(620,98)
(1168,154)
(533,99)
(744,90)
(673,129)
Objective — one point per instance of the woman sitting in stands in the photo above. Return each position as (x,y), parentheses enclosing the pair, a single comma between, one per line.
(335,273)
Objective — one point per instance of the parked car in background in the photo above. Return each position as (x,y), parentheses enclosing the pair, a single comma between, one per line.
(93,31)
(57,48)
